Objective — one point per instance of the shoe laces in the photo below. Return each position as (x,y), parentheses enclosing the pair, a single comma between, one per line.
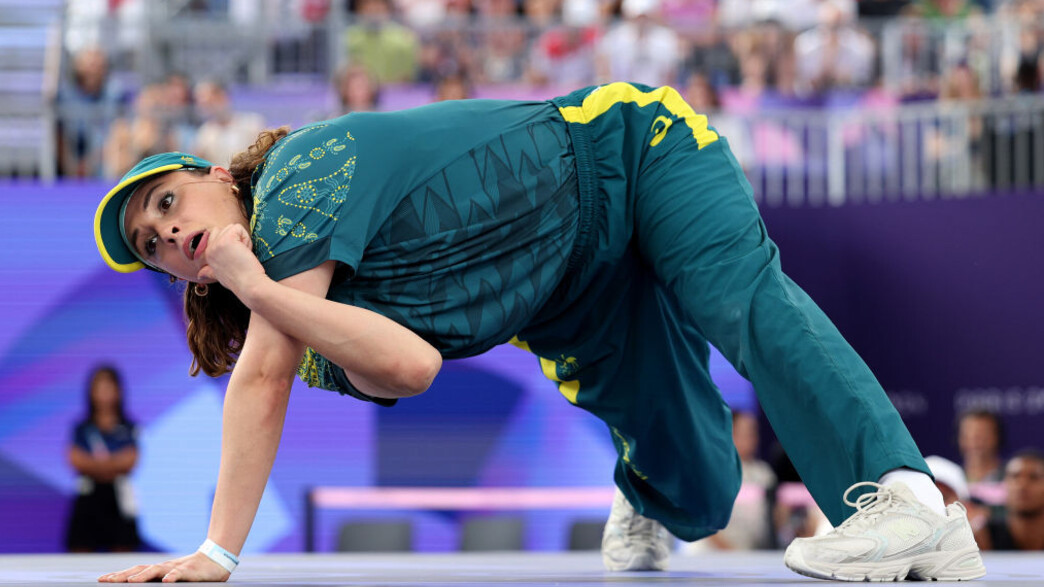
(869,506)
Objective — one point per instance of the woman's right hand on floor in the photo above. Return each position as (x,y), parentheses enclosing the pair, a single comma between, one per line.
(195,567)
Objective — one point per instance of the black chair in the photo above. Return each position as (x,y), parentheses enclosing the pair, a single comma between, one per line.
(376,536)
(586,535)
(492,533)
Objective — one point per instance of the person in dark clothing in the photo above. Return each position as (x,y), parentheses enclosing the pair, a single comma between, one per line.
(104,451)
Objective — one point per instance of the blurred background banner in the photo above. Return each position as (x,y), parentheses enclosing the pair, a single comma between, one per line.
(895,149)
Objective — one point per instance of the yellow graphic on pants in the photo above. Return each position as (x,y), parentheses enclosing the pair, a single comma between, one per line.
(558,371)
(625,454)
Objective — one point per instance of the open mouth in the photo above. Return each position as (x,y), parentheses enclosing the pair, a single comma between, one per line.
(195,243)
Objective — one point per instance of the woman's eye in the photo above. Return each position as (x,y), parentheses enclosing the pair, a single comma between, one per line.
(166,201)
(150,246)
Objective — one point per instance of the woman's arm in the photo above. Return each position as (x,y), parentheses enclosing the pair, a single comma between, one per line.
(122,461)
(85,464)
(252,425)
(381,357)
(103,469)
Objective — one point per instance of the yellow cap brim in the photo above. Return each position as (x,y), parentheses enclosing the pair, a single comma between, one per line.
(108,234)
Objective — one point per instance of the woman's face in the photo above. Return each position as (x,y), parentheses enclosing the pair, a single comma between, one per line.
(104,392)
(745,436)
(977,436)
(170,219)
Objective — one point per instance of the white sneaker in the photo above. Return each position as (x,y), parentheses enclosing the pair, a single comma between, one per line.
(891,537)
(632,542)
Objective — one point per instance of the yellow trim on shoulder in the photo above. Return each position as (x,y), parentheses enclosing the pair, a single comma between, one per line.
(122,267)
(602,98)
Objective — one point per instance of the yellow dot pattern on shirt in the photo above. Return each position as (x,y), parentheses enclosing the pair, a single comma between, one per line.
(262,249)
(311,196)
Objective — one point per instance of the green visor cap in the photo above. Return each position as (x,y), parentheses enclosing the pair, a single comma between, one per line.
(108,219)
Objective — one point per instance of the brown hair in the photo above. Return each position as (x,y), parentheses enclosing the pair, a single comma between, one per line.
(216,323)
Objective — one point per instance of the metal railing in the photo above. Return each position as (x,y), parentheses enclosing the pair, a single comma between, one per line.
(29,36)
(910,152)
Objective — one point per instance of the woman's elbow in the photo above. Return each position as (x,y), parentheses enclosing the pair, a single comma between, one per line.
(415,375)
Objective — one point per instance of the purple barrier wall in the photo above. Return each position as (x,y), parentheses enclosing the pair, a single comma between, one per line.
(942,298)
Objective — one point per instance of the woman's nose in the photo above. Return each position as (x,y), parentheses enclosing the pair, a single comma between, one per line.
(169,232)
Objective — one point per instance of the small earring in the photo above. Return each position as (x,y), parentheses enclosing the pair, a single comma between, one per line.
(235,189)
(173,279)
(201,289)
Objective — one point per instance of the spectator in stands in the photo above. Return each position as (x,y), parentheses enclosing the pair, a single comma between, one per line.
(540,14)
(1022,525)
(357,90)
(792,15)
(638,48)
(104,451)
(709,53)
(920,62)
(447,48)
(690,17)
(178,108)
(1011,148)
(565,54)
(145,133)
(87,104)
(881,8)
(703,97)
(453,87)
(943,9)
(445,52)
(955,141)
(834,54)
(500,55)
(980,437)
(224,129)
(421,14)
(380,44)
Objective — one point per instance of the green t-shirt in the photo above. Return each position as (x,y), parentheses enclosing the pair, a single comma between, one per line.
(455,219)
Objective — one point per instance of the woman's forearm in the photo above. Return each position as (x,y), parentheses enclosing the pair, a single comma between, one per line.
(123,461)
(382,357)
(85,464)
(252,424)
(105,469)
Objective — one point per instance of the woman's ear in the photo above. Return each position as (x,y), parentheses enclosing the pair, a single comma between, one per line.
(221,173)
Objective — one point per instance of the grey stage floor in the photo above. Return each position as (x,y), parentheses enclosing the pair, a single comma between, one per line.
(517,569)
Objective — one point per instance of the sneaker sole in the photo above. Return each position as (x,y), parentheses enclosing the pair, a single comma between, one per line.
(963,565)
(641,562)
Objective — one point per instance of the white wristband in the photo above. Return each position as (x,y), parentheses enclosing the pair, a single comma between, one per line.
(219,555)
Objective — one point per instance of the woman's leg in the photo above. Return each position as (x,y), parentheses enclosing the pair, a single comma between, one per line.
(637,363)
(697,225)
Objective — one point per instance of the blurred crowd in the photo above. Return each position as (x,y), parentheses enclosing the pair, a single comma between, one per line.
(736,57)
